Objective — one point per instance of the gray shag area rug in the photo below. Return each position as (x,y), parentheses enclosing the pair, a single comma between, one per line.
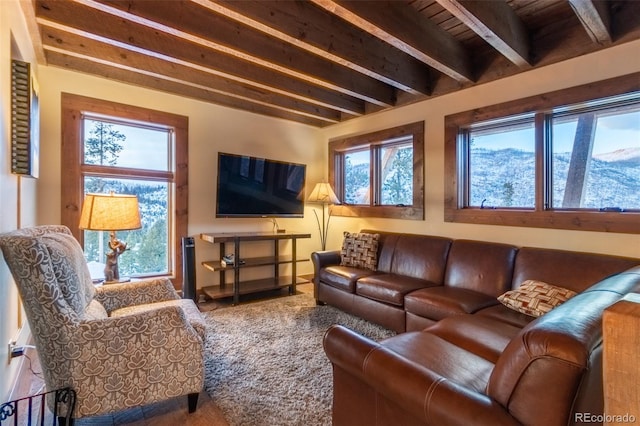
(265,364)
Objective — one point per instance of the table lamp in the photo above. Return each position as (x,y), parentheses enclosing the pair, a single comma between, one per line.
(323,194)
(111,212)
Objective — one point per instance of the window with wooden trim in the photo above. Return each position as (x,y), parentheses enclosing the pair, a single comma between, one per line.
(568,159)
(380,174)
(113,147)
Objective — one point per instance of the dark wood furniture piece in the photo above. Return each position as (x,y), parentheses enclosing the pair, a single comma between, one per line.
(238,287)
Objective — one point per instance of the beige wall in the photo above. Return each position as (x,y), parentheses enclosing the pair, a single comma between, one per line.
(614,62)
(17,195)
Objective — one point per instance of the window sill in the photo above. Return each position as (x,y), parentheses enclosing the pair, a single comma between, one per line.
(625,222)
(387,212)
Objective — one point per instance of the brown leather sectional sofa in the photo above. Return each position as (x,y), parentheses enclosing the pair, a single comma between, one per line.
(461,357)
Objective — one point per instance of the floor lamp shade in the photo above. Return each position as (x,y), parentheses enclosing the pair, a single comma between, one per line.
(323,194)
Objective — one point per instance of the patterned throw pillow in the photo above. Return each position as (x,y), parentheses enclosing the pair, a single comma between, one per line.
(535,298)
(360,250)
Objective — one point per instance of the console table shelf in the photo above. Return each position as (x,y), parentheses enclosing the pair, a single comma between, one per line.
(238,287)
(215,265)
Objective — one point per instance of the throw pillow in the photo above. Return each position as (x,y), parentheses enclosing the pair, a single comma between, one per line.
(360,250)
(535,298)
(94,311)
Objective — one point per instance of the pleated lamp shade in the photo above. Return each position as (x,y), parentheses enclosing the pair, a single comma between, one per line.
(323,194)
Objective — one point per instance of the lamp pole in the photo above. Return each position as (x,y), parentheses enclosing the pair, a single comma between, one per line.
(323,194)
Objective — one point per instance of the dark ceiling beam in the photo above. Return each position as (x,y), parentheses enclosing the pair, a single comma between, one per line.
(496,23)
(91,23)
(89,66)
(56,39)
(193,23)
(595,17)
(315,30)
(399,25)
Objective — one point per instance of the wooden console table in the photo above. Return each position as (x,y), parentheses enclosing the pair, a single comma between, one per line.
(239,287)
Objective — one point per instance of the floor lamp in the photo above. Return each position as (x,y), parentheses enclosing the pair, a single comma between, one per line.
(111,212)
(323,194)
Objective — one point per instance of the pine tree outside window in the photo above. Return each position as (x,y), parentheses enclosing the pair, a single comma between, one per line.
(122,145)
(380,174)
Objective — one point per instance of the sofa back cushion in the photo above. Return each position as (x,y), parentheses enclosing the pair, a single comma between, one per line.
(413,255)
(553,358)
(569,269)
(480,266)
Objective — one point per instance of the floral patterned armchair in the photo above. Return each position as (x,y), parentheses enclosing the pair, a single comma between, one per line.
(117,346)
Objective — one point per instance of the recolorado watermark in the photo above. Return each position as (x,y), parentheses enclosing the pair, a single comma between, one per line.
(604,418)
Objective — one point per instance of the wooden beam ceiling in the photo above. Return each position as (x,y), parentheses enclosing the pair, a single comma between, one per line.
(595,18)
(497,24)
(320,62)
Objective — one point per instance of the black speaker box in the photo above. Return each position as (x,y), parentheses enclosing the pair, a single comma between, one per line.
(188,268)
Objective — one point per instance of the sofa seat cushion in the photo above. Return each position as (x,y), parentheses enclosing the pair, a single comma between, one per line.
(440,302)
(389,288)
(444,358)
(343,277)
(482,335)
(506,315)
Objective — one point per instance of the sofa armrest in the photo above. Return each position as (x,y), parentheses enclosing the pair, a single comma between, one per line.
(428,396)
(321,259)
(116,296)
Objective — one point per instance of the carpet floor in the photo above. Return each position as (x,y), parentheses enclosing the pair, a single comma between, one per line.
(265,364)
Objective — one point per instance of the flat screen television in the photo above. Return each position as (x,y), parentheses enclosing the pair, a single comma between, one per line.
(259,187)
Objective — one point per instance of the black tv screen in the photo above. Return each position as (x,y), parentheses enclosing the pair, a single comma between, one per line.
(259,187)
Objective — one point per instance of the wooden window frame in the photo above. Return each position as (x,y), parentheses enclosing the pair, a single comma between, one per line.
(72,169)
(413,212)
(539,217)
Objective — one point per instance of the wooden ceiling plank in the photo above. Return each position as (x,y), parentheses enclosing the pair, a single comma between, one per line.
(61,41)
(91,23)
(311,28)
(191,22)
(85,65)
(595,17)
(496,23)
(399,25)
(32,27)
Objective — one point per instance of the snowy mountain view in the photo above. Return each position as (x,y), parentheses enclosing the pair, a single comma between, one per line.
(505,178)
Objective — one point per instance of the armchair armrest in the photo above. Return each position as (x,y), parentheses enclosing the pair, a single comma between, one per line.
(427,395)
(116,296)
